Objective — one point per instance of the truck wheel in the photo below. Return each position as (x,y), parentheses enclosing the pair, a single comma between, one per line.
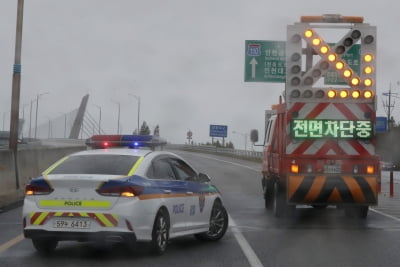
(278,203)
(358,211)
(362,212)
(267,192)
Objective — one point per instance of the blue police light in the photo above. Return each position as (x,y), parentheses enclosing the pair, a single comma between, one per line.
(132,141)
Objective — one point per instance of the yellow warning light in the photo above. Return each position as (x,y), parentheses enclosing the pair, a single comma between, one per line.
(368,94)
(368,70)
(316,41)
(347,73)
(339,65)
(308,33)
(355,94)
(331,57)
(355,81)
(331,93)
(368,58)
(344,93)
(294,168)
(368,82)
(324,49)
(370,169)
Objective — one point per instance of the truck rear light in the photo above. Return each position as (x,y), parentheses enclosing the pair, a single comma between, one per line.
(294,168)
(120,191)
(370,169)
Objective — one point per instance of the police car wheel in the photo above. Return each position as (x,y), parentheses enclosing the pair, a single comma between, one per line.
(45,246)
(218,224)
(160,234)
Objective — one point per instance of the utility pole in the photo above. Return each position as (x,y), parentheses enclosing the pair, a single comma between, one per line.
(16,82)
(388,106)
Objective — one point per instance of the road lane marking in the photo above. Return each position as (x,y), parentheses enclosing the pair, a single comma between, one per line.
(11,243)
(244,245)
(229,162)
(386,215)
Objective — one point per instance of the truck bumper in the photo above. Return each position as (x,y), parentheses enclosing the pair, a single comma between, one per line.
(332,189)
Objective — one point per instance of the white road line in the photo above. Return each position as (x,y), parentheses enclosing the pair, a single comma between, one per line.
(386,215)
(11,243)
(229,162)
(244,245)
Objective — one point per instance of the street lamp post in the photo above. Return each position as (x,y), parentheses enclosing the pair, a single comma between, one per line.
(245,138)
(99,117)
(138,112)
(4,120)
(30,120)
(37,108)
(23,120)
(119,113)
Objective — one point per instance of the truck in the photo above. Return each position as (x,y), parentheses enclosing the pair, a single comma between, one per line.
(319,141)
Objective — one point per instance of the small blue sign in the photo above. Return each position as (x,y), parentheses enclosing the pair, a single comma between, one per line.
(381,125)
(218,130)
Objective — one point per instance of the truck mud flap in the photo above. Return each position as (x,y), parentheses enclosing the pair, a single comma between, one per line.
(332,189)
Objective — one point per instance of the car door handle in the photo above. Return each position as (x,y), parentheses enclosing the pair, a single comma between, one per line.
(167,191)
(189,193)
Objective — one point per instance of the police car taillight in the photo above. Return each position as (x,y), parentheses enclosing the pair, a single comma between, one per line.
(121,191)
(37,190)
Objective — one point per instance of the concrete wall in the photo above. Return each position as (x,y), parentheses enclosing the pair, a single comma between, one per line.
(30,162)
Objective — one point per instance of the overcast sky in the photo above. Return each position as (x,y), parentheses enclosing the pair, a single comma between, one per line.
(184,58)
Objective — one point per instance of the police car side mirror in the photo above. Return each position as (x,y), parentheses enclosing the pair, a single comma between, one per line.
(204,178)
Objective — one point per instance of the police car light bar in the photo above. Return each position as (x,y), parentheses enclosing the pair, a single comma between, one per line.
(132,141)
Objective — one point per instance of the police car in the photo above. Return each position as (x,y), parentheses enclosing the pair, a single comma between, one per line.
(121,195)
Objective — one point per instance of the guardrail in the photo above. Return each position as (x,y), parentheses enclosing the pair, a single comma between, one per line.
(244,154)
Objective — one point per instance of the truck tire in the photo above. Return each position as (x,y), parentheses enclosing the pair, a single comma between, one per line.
(268,187)
(357,211)
(279,202)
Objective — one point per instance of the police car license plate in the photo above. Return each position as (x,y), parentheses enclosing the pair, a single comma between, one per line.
(332,168)
(71,224)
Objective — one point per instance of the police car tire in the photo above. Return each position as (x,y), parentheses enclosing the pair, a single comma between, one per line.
(160,233)
(218,224)
(44,246)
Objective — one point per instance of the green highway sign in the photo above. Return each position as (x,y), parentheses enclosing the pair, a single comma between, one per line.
(265,61)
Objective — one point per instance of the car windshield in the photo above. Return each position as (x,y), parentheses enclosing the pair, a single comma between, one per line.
(96,164)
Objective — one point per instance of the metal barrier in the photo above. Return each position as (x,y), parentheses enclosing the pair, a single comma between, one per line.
(245,154)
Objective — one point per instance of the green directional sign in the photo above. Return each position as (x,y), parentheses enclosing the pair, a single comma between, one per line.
(265,61)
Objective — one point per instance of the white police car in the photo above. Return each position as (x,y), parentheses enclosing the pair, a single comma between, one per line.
(121,195)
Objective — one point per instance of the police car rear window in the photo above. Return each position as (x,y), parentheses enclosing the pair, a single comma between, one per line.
(96,164)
